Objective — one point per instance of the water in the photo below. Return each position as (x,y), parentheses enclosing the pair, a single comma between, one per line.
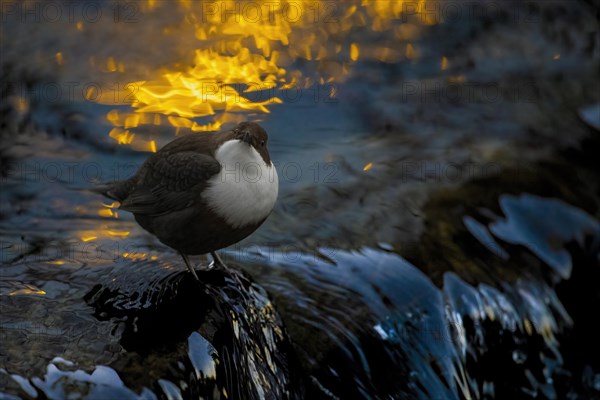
(461,264)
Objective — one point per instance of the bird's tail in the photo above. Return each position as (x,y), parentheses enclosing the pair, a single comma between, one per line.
(106,190)
(115,190)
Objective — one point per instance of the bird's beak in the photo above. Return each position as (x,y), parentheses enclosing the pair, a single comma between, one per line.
(246,137)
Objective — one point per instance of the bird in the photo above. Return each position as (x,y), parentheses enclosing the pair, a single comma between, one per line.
(202,192)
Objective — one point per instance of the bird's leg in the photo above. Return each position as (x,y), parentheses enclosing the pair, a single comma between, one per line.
(187,263)
(217,260)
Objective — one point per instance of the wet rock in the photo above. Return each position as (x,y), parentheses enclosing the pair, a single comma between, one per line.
(218,338)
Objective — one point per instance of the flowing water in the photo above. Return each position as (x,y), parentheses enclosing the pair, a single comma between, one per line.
(436,236)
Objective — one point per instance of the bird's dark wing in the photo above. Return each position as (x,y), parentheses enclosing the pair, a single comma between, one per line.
(170,182)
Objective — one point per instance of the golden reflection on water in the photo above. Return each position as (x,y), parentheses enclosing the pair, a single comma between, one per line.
(246,52)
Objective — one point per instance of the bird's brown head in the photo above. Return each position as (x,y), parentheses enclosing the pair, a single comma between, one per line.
(255,136)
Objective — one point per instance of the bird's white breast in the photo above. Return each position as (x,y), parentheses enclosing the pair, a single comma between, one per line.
(245,190)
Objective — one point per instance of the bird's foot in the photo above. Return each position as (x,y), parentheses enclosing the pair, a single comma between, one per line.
(231,273)
(217,261)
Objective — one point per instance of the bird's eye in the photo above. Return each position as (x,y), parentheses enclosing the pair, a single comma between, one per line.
(262,143)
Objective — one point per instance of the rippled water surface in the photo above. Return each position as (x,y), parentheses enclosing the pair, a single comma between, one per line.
(431,240)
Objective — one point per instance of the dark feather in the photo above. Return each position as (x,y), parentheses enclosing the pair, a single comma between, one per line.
(116,190)
(169,183)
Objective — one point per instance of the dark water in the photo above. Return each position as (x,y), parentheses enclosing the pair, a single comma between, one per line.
(462,265)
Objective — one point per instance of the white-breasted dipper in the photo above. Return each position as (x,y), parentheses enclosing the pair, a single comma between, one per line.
(204,191)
